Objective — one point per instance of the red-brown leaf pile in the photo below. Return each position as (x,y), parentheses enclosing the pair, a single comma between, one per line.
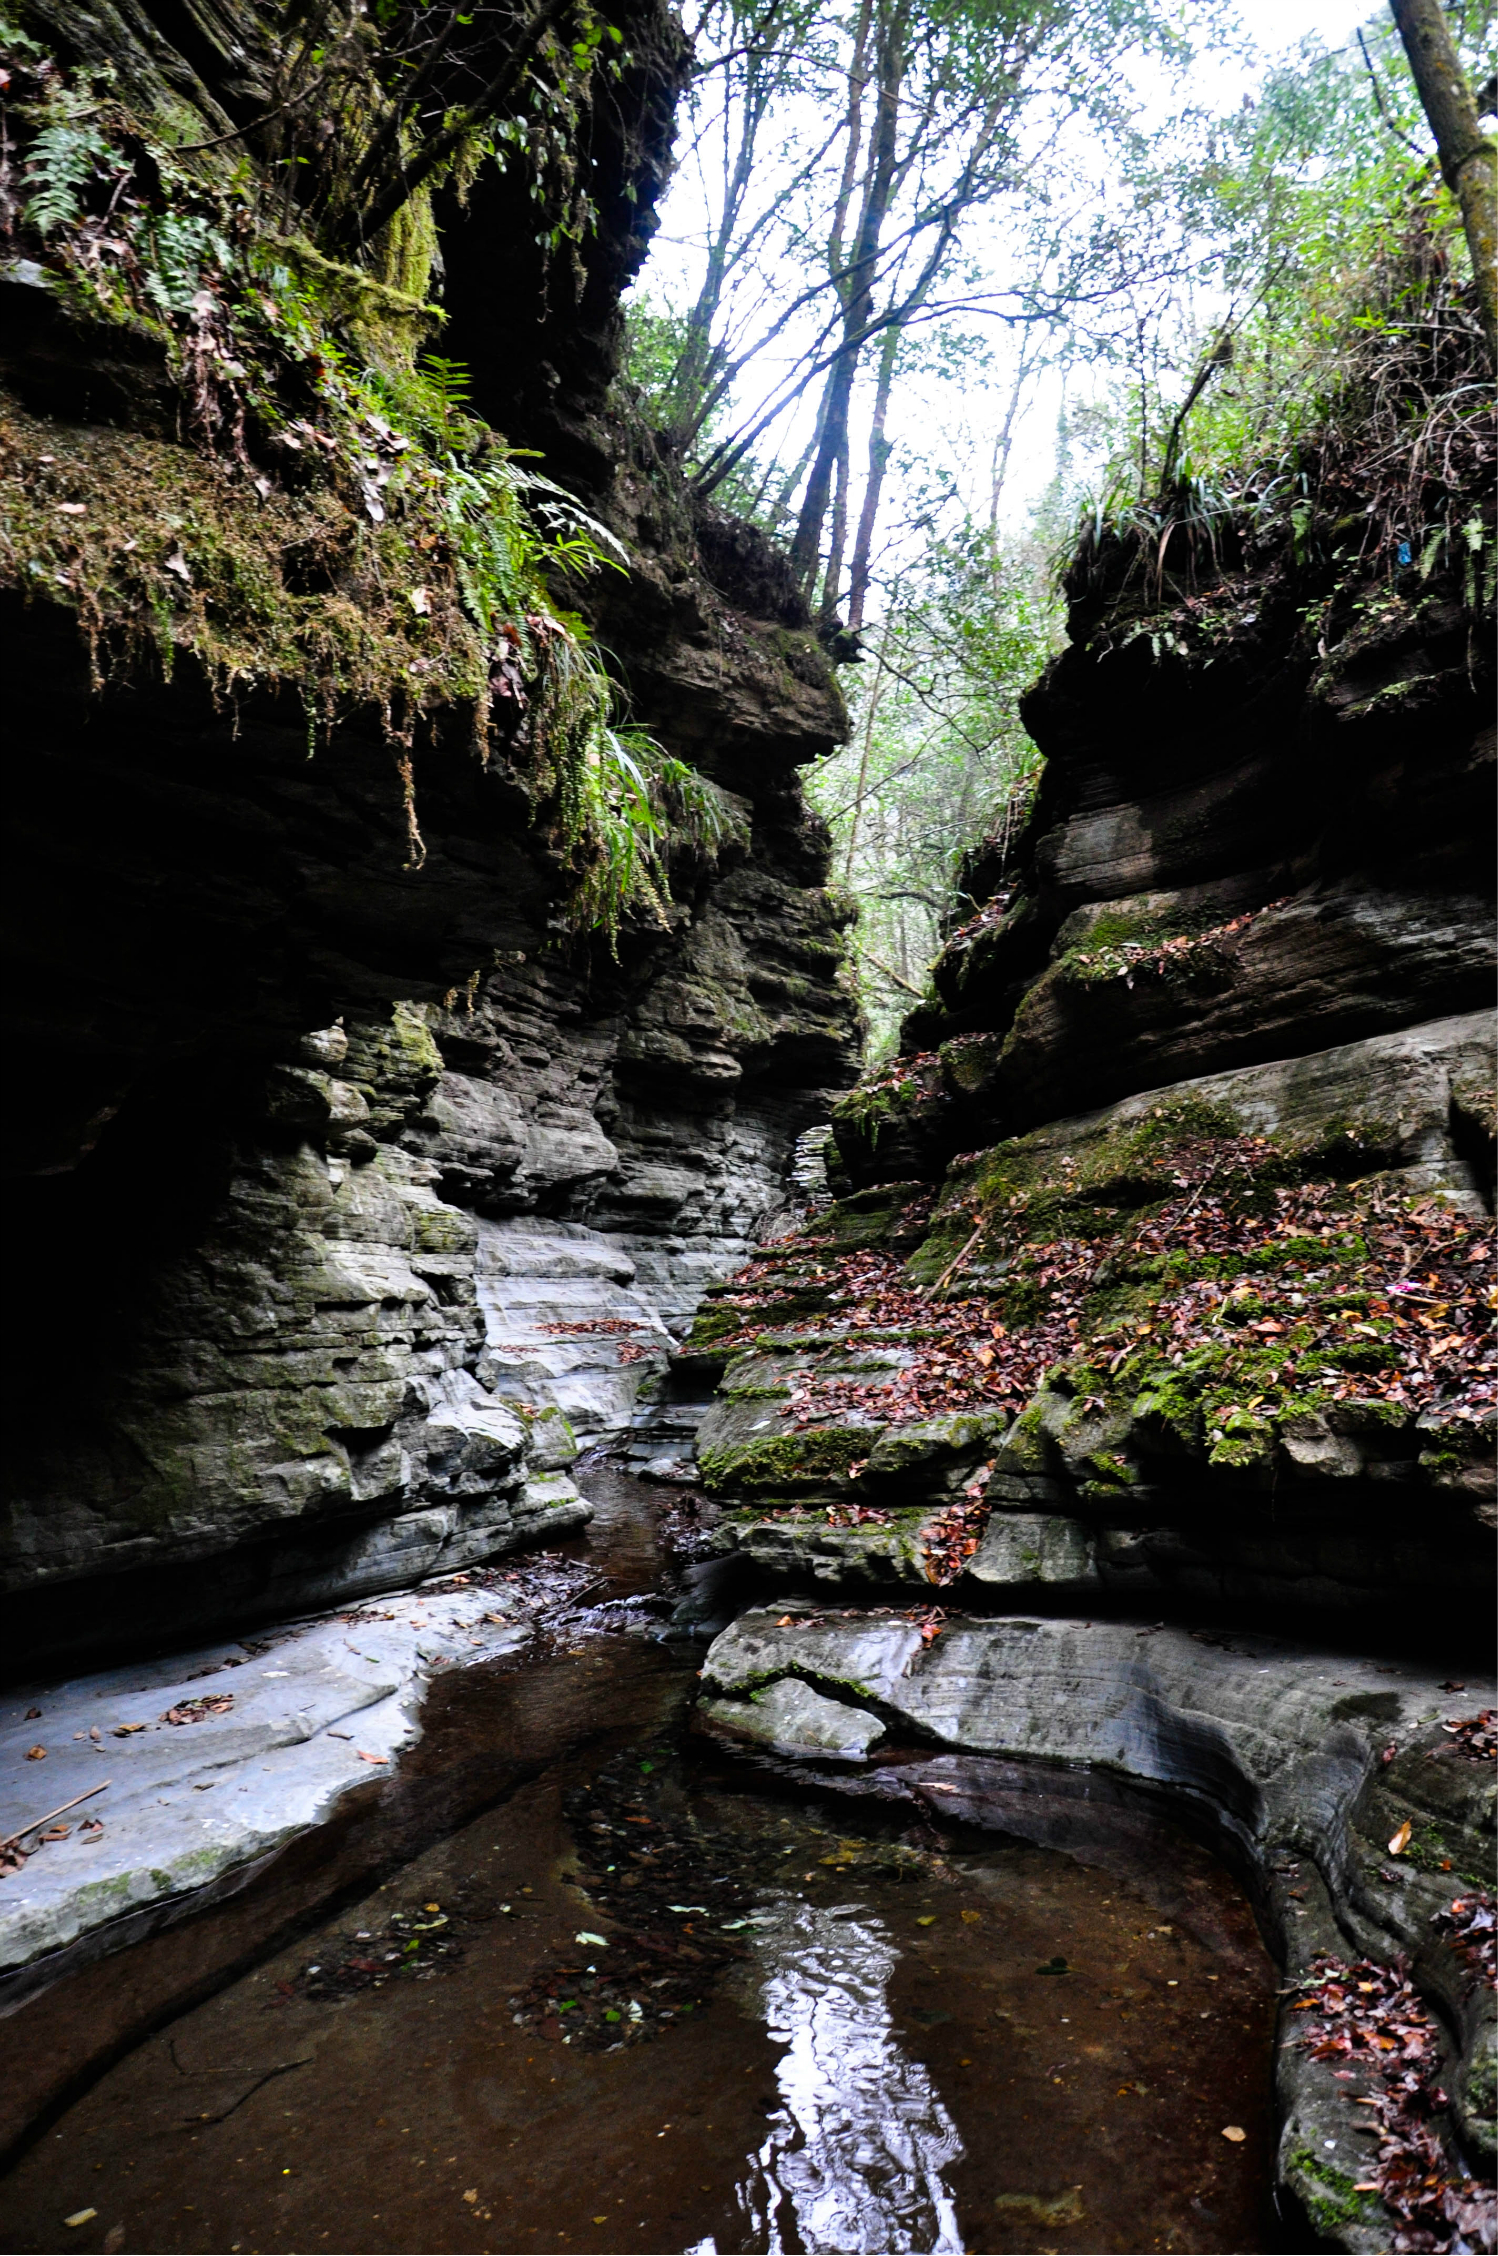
(992,912)
(951,1540)
(1477,1736)
(1369,2017)
(195,1711)
(1357,1299)
(1132,957)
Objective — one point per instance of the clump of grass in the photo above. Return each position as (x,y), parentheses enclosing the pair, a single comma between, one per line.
(1393,484)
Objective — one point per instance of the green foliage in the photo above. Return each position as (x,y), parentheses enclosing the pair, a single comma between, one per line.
(938,756)
(440,552)
(177,247)
(654,341)
(1391,483)
(627,808)
(64,157)
(1327,243)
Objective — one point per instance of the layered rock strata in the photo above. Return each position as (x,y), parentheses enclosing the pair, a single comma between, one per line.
(1132,1408)
(1250,842)
(356,1189)
(1300,1762)
(1178,1366)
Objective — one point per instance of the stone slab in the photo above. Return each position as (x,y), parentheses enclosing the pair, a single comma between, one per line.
(187,1804)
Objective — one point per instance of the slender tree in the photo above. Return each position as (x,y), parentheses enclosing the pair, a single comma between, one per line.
(1469,161)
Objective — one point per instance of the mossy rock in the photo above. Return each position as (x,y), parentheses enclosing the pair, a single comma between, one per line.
(786,1464)
(936,1452)
(395,1063)
(968,1063)
(1330,2197)
(550,1442)
(871,1218)
(710,1326)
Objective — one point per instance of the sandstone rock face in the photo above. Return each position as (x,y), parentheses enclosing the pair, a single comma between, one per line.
(1244,847)
(1236,1461)
(1128,1423)
(346,1166)
(422,1227)
(1303,1761)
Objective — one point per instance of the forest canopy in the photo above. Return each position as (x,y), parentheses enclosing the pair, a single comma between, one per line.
(939,288)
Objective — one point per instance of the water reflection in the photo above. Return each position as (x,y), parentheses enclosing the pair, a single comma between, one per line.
(855,2154)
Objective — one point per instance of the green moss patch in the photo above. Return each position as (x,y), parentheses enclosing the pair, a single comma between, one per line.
(788,1464)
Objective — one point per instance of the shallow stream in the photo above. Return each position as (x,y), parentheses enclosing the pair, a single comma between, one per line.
(591,1984)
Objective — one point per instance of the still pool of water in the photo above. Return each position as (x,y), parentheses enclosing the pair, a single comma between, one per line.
(889,2038)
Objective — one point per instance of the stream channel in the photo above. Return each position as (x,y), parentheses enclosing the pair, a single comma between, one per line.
(575,1979)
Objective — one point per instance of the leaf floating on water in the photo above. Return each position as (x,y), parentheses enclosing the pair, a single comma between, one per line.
(80,2216)
(928,1920)
(36,1754)
(1401,1839)
(370,1758)
(1234,2132)
(585,1935)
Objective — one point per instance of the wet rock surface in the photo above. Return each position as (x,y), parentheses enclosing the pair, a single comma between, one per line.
(902,2032)
(1341,1785)
(1159,1283)
(277,1730)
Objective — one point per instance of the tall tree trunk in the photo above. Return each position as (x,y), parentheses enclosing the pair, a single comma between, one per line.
(879,452)
(853,129)
(1004,442)
(792,478)
(858,303)
(695,367)
(1469,162)
(832,579)
(876,691)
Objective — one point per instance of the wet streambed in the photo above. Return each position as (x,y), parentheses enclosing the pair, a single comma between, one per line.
(651,1998)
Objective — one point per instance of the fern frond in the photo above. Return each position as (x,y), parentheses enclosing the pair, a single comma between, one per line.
(59,165)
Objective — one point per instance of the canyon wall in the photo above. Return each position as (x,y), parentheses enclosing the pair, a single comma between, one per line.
(352,1190)
(1123,1431)
(1170,1225)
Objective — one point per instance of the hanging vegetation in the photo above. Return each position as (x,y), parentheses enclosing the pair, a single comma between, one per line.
(311,506)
